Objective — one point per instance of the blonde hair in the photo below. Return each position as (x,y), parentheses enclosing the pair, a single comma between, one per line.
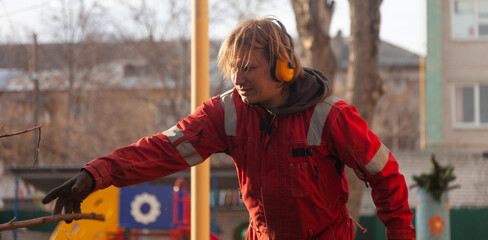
(264,34)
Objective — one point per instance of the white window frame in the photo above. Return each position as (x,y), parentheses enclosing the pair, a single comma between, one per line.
(477,121)
(476,36)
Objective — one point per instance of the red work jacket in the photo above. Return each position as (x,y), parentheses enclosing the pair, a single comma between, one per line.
(290,166)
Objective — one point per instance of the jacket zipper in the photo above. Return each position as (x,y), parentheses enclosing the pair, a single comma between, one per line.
(270,121)
(272,124)
(321,184)
(361,170)
(358,168)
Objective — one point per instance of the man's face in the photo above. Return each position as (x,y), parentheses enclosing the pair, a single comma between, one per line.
(254,82)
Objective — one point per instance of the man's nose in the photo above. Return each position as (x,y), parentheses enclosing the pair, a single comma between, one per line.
(239,77)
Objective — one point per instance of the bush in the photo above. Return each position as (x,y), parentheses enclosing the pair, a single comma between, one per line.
(437,181)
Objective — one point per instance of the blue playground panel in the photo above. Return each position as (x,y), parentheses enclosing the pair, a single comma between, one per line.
(146,207)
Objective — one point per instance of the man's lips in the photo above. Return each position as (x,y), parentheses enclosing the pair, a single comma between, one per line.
(243,91)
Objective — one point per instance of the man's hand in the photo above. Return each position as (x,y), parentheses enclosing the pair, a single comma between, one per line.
(71,193)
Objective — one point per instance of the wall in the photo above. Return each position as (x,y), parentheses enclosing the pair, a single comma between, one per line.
(463,62)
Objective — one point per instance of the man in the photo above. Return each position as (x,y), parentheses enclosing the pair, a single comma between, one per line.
(289,139)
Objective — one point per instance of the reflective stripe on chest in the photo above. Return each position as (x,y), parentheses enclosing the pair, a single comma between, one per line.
(230,113)
(317,122)
(315,130)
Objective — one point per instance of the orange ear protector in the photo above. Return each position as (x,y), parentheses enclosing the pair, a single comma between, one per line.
(281,70)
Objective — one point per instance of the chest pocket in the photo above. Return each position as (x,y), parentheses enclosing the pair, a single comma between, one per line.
(299,164)
(298,170)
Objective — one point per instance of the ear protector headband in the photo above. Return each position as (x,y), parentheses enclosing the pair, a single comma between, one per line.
(281,70)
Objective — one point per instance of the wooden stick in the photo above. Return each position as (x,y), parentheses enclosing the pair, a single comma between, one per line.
(49,219)
(21,132)
(12,220)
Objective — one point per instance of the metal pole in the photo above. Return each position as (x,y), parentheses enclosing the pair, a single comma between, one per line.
(200,175)
(422,102)
(16,204)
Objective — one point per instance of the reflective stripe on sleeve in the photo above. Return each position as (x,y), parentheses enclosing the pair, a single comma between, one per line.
(317,122)
(379,160)
(188,152)
(185,148)
(230,112)
(173,133)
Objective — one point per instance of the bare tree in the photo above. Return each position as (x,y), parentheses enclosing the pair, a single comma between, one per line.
(363,84)
(102,106)
(76,25)
(163,49)
(313,18)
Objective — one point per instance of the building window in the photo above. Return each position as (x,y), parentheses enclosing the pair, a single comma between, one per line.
(469,106)
(470,19)
(484,104)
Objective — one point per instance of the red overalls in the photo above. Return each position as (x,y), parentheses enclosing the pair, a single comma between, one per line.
(290,166)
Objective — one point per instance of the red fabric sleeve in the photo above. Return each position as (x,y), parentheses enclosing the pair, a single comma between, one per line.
(353,142)
(154,157)
(148,159)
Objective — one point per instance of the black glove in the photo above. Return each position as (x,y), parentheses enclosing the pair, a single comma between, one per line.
(71,193)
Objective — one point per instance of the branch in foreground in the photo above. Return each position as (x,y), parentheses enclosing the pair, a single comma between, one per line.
(49,219)
(21,132)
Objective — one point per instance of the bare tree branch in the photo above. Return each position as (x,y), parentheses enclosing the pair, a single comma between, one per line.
(26,131)
(49,219)
(21,132)
(37,149)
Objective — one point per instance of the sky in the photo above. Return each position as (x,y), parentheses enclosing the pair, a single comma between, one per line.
(402,22)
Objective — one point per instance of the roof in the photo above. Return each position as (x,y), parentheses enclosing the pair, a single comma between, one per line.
(110,66)
(104,76)
(389,55)
(6,74)
(117,66)
(47,177)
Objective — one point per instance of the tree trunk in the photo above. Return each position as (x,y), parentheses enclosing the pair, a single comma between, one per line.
(363,85)
(313,23)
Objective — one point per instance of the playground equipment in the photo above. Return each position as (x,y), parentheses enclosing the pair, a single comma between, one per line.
(137,212)
(104,202)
